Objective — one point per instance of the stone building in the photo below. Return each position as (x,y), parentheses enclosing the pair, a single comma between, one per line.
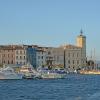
(7,54)
(12,55)
(72,57)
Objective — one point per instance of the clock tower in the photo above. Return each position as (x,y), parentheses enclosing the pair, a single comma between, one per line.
(81,42)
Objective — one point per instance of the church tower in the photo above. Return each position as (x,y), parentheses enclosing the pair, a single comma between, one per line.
(81,42)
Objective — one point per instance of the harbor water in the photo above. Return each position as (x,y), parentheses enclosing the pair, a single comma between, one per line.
(74,87)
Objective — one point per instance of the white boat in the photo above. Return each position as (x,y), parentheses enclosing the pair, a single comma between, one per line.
(9,73)
(53,74)
(29,72)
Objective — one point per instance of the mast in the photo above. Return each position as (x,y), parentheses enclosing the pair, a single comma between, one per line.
(94,60)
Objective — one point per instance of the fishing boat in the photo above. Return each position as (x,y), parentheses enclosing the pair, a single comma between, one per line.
(9,73)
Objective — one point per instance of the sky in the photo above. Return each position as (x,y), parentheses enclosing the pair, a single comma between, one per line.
(50,22)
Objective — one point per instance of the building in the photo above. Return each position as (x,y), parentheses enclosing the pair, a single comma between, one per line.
(20,55)
(81,42)
(12,55)
(41,56)
(72,57)
(7,54)
(31,55)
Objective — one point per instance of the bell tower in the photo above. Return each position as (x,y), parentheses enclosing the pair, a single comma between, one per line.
(81,42)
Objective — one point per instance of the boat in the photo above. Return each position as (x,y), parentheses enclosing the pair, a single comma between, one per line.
(52,74)
(91,72)
(29,72)
(9,73)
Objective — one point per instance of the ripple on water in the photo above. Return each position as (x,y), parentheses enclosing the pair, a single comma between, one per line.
(75,87)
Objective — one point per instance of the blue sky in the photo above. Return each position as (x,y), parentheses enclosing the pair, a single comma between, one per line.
(50,22)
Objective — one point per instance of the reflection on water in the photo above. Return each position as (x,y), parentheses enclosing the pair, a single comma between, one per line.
(74,87)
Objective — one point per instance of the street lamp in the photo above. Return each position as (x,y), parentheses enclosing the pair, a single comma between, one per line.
(64,57)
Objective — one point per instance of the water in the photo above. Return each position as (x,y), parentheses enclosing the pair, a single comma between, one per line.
(74,87)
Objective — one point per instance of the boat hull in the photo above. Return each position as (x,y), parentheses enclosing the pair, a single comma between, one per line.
(10,76)
(52,76)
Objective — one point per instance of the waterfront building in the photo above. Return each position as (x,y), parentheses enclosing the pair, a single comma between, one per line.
(31,55)
(40,56)
(72,57)
(12,55)
(7,54)
(20,55)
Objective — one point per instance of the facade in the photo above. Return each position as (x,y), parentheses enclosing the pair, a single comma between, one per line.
(40,56)
(31,55)
(12,55)
(7,55)
(20,55)
(71,57)
(68,56)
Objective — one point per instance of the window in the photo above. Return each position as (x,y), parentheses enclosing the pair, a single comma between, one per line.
(16,52)
(73,61)
(73,54)
(4,61)
(68,54)
(77,54)
(38,57)
(68,61)
(8,61)
(8,55)
(42,57)
(20,52)
(16,62)
(77,61)
(12,61)
(24,63)
(24,57)
(20,57)
(49,53)
(16,57)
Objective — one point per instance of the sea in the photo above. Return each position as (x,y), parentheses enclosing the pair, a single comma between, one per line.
(73,87)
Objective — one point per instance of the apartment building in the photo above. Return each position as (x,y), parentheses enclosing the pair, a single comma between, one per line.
(20,55)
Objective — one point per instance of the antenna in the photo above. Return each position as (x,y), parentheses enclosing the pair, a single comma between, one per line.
(81,32)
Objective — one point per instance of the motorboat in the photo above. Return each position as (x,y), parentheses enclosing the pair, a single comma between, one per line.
(9,73)
(29,72)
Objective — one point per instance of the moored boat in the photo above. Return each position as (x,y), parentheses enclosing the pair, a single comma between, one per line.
(29,72)
(53,74)
(9,73)
(90,72)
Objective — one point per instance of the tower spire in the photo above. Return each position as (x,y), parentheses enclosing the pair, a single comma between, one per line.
(81,32)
